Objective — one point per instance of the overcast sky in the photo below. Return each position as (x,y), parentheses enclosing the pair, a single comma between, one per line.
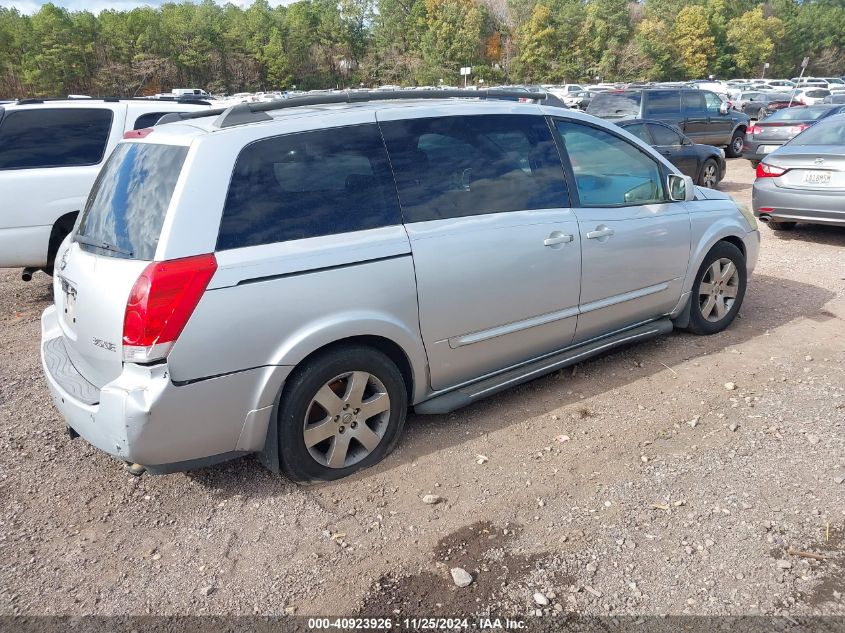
(31,6)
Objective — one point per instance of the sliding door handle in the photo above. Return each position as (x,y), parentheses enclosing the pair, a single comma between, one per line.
(600,232)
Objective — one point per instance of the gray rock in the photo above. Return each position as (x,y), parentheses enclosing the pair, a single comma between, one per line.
(540,599)
(784,564)
(432,499)
(461,576)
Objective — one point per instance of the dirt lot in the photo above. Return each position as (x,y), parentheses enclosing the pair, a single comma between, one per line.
(673,494)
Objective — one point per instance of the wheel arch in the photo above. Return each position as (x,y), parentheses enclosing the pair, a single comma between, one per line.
(61,227)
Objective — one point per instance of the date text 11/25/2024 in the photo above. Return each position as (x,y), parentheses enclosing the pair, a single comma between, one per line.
(415,624)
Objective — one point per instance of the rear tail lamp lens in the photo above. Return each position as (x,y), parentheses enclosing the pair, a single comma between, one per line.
(769,171)
(160,304)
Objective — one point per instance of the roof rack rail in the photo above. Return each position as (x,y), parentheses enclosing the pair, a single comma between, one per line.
(242,113)
(180,100)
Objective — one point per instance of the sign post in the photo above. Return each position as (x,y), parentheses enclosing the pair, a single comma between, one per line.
(465,73)
(804,64)
(765,67)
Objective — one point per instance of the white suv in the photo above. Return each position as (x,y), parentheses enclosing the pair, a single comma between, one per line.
(50,153)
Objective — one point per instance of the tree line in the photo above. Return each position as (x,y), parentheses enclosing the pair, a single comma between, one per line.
(347,43)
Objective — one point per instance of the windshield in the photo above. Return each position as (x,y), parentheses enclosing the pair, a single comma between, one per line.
(831,132)
(125,210)
(797,114)
(615,105)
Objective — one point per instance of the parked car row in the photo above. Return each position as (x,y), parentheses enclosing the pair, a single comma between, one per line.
(423,252)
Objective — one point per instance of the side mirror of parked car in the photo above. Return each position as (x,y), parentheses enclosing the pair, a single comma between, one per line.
(723,109)
(681,188)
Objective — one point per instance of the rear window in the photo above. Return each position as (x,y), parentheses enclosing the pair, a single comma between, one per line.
(830,132)
(125,210)
(797,114)
(309,184)
(60,137)
(816,94)
(616,105)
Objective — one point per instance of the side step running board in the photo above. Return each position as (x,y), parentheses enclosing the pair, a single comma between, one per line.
(473,392)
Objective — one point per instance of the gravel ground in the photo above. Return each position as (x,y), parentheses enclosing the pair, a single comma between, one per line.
(673,494)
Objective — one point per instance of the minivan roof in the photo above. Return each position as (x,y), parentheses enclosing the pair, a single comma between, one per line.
(208,124)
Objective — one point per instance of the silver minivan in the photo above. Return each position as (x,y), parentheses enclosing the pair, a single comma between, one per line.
(287,278)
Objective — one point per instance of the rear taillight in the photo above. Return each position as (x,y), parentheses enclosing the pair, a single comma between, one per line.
(143,132)
(797,129)
(160,304)
(752,130)
(769,171)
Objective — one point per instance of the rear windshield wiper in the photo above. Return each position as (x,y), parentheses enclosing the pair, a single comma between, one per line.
(82,239)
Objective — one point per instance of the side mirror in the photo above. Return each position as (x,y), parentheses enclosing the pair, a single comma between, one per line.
(723,108)
(681,188)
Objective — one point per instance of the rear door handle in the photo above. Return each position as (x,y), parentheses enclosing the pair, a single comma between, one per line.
(600,232)
(556,237)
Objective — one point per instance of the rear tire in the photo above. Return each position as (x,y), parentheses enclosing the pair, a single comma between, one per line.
(781,226)
(761,114)
(340,412)
(718,290)
(709,175)
(734,148)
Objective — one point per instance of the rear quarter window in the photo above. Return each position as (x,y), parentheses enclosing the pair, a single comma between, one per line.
(55,137)
(309,184)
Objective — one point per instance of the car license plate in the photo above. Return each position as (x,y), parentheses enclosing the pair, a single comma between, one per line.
(70,302)
(817,177)
(765,149)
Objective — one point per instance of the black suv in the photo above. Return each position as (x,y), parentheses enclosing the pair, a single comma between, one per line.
(700,114)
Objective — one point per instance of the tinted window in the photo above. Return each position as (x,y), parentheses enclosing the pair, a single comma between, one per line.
(694,102)
(609,171)
(61,137)
(459,166)
(663,135)
(126,207)
(663,102)
(309,184)
(148,120)
(616,105)
(815,94)
(638,130)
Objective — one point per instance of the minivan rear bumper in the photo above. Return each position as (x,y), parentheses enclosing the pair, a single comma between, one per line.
(143,417)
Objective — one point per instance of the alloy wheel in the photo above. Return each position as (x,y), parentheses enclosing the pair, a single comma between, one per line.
(718,289)
(709,177)
(346,419)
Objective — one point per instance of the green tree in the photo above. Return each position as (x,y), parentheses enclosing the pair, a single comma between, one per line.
(537,42)
(694,40)
(753,36)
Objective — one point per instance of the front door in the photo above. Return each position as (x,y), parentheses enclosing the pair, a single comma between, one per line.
(671,144)
(635,245)
(496,247)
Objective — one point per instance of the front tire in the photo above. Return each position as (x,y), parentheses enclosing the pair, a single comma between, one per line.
(734,149)
(718,290)
(709,176)
(340,412)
